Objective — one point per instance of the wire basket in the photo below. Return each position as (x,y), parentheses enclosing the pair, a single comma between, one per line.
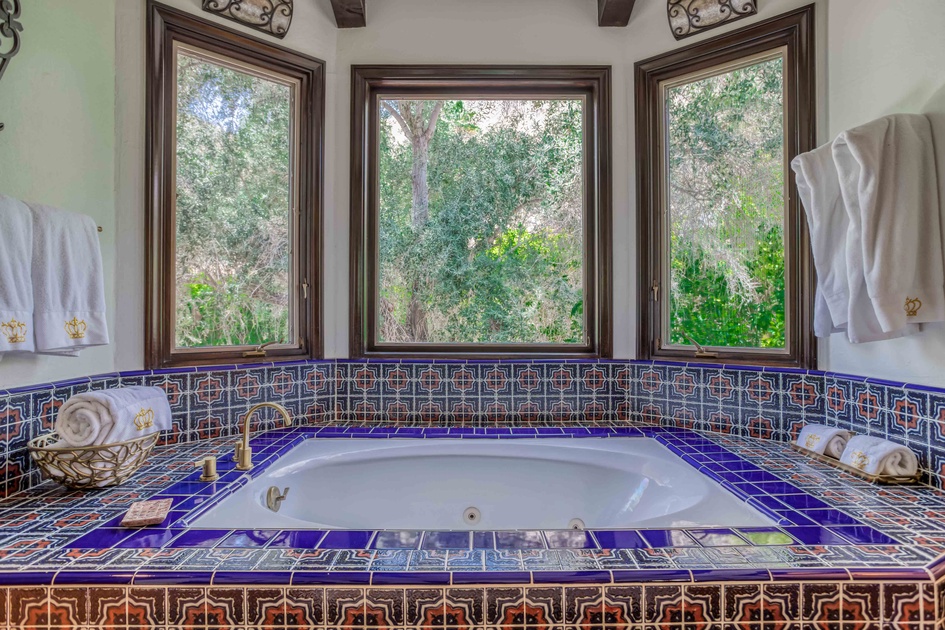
(90,467)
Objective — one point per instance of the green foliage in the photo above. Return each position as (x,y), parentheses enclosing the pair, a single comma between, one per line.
(500,258)
(726,183)
(233,207)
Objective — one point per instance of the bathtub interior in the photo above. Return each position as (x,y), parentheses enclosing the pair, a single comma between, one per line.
(496,485)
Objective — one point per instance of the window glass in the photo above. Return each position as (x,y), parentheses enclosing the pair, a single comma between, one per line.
(235,196)
(481,221)
(724,178)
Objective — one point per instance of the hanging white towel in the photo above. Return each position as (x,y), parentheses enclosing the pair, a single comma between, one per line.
(889,185)
(16,287)
(877,456)
(841,302)
(819,190)
(68,282)
(112,415)
(823,440)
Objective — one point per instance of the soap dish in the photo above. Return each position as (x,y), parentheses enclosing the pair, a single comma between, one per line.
(90,467)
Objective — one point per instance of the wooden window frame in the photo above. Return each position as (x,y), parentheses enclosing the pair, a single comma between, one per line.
(369,84)
(166,28)
(794,32)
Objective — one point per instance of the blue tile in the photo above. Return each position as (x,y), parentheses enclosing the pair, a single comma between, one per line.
(519,540)
(347,578)
(483,540)
(396,540)
(249,538)
(492,577)
(864,536)
(346,539)
(445,540)
(298,539)
(440,578)
(145,539)
(571,577)
(102,538)
(716,537)
(658,538)
(815,536)
(570,539)
(619,539)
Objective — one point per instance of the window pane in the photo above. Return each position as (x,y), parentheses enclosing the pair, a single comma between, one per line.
(481,222)
(234,206)
(725,191)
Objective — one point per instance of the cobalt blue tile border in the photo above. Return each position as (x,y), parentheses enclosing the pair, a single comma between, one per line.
(711,555)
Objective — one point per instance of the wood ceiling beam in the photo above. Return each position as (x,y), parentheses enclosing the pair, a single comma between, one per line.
(614,12)
(349,13)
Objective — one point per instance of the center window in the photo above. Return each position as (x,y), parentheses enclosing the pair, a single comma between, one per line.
(479,231)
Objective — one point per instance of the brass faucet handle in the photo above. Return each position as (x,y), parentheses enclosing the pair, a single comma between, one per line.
(245,460)
(209,464)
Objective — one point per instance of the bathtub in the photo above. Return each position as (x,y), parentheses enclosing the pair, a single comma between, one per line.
(456,484)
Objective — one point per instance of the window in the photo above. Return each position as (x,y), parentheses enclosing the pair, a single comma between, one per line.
(724,258)
(479,197)
(234,129)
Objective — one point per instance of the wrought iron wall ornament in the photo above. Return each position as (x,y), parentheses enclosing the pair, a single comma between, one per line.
(10,29)
(690,17)
(269,16)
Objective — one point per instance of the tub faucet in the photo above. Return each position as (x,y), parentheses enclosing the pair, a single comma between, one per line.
(244,454)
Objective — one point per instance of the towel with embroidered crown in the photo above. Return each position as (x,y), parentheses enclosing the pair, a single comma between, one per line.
(823,440)
(68,282)
(112,415)
(16,288)
(876,456)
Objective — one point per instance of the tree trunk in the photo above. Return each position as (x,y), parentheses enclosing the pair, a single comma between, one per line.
(420,184)
(411,116)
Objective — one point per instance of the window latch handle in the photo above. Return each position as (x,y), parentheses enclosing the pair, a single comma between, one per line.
(259,351)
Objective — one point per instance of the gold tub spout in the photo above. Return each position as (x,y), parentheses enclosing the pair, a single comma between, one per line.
(244,454)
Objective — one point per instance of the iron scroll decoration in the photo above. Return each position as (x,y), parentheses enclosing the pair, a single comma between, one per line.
(272,17)
(691,17)
(10,29)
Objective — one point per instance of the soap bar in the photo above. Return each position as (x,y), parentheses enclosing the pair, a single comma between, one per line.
(142,513)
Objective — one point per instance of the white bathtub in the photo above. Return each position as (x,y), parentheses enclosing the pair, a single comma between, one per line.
(514,484)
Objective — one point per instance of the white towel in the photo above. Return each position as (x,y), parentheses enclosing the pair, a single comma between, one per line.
(818,187)
(889,185)
(113,415)
(823,440)
(68,283)
(877,456)
(16,286)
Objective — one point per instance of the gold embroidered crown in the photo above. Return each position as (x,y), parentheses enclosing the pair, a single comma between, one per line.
(912,306)
(860,460)
(14,331)
(144,419)
(76,328)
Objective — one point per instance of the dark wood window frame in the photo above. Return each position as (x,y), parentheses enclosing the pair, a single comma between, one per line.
(793,32)
(167,26)
(369,83)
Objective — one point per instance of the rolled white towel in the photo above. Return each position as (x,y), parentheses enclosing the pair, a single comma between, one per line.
(876,456)
(112,415)
(823,440)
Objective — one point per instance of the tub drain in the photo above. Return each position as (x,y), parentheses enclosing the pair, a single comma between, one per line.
(575,523)
(471,515)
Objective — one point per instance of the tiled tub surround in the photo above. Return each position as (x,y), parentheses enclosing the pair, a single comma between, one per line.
(764,403)
(848,576)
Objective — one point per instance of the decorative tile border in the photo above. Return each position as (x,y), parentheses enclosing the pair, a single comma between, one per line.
(757,402)
(650,605)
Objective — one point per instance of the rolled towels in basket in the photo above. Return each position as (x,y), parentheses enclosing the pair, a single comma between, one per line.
(112,415)
(823,440)
(876,456)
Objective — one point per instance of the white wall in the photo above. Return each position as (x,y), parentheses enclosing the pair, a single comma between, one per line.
(884,58)
(75,98)
(57,99)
